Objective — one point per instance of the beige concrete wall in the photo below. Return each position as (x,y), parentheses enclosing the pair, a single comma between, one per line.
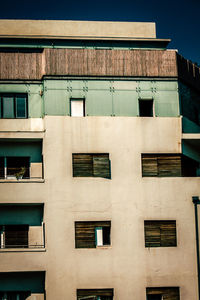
(77,28)
(127,200)
(35,236)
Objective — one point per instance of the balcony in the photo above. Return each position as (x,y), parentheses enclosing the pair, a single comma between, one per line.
(22,227)
(21,161)
(22,285)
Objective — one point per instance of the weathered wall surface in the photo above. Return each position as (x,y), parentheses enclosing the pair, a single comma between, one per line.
(127,200)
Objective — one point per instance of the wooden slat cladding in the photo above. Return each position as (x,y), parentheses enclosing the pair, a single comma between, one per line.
(110,62)
(88,62)
(168,293)
(160,233)
(21,65)
(161,165)
(91,165)
(108,293)
(16,236)
(85,233)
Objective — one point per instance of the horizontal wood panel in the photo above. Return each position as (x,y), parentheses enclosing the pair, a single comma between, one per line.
(91,165)
(88,62)
(161,165)
(160,233)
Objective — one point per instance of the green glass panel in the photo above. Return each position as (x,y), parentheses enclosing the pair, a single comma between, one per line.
(8,107)
(21,110)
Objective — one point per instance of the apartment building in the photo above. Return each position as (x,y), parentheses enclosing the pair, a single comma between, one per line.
(99,161)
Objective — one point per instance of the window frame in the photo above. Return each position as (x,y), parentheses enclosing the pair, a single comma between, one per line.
(77,99)
(14,96)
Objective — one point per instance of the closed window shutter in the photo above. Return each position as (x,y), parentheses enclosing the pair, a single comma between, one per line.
(168,293)
(101,165)
(91,165)
(85,233)
(161,165)
(169,165)
(168,234)
(152,234)
(149,165)
(160,233)
(16,236)
(82,165)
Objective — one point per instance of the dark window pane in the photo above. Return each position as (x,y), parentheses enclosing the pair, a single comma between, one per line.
(146,108)
(16,236)
(154,297)
(21,107)
(8,107)
(17,166)
(1,167)
(106,235)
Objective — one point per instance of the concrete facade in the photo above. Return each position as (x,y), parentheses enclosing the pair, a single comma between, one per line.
(113,125)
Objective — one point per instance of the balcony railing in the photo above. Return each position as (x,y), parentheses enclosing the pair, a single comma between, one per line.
(22,237)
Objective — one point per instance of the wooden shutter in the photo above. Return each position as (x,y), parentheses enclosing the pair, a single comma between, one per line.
(160,233)
(16,236)
(149,165)
(82,165)
(168,233)
(95,292)
(168,293)
(152,234)
(169,165)
(85,233)
(101,165)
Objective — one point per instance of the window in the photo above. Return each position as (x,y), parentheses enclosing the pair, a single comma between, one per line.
(13,106)
(162,293)
(146,107)
(14,167)
(160,233)
(77,107)
(168,165)
(14,236)
(14,295)
(92,234)
(91,165)
(95,294)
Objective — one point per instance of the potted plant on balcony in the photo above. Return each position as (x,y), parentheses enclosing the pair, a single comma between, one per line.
(20,174)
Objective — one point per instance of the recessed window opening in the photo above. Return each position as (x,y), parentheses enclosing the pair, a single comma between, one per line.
(160,233)
(13,106)
(92,234)
(77,107)
(146,107)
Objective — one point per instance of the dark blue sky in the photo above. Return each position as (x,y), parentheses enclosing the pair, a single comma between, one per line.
(175,19)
